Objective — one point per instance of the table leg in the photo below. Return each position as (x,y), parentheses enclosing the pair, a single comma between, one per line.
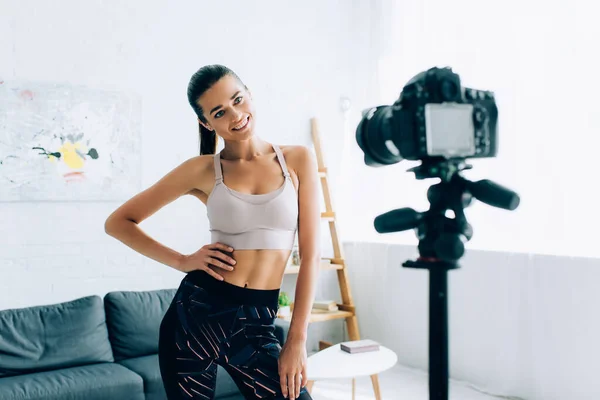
(309,386)
(353,388)
(375,381)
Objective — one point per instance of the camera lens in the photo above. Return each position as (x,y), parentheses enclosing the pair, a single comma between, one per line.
(374,137)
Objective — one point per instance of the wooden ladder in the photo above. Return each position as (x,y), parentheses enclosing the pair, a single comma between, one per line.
(347,309)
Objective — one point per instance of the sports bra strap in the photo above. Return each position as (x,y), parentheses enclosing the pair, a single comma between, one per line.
(281,161)
(218,170)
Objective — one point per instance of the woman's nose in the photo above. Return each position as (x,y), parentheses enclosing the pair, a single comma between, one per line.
(236,115)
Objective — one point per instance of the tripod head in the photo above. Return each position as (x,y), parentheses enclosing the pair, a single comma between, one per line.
(441,233)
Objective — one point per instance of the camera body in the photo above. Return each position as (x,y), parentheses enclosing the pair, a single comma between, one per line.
(434,118)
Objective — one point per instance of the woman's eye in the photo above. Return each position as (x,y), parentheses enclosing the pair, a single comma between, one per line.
(238,99)
(219,114)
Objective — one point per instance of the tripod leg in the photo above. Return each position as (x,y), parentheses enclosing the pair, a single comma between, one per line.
(438,334)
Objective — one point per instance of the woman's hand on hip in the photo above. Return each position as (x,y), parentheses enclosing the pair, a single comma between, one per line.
(292,368)
(210,255)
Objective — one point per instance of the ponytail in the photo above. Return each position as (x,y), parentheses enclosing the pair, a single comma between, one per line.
(208,140)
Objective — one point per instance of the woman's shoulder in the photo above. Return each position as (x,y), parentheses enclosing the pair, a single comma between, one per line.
(297,156)
(295,151)
(198,164)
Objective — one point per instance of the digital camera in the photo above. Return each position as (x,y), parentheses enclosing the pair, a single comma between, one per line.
(434,118)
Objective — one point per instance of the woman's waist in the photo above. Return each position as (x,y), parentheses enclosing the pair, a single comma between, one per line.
(256,269)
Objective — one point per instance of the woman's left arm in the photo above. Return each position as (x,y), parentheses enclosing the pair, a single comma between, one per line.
(292,361)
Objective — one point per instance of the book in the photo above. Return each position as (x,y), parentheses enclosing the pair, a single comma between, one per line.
(328,305)
(359,346)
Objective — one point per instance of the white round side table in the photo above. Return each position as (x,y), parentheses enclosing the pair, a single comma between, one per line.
(334,363)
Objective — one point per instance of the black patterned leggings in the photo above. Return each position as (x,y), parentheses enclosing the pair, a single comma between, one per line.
(212,323)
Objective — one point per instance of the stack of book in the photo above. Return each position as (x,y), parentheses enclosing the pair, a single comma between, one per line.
(325,306)
(359,346)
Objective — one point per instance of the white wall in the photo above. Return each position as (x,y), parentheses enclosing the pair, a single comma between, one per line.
(298,60)
(539,58)
(519,325)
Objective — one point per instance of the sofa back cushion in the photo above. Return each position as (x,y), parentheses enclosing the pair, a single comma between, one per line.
(53,336)
(133,319)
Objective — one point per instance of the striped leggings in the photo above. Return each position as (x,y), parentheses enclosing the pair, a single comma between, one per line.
(212,323)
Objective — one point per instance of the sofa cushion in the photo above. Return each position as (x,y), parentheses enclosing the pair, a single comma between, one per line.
(89,382)
(225,385)
(133,320)
(282,328)
(148,368)
(53,336)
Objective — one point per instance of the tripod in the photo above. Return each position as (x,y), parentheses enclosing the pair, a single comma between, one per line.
(441,245)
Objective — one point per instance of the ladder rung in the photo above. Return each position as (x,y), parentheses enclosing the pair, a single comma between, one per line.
(324,344)
(329,216)
(318,316)
(345,307)
(338,261)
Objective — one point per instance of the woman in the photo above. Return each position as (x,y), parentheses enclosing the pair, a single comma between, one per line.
(258,196)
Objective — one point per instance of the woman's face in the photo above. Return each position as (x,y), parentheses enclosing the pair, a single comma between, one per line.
(228,109)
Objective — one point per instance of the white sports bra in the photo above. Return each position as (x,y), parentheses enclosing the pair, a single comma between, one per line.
(253,221)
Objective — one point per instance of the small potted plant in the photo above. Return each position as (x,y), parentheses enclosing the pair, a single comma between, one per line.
(284,305)
(295,256)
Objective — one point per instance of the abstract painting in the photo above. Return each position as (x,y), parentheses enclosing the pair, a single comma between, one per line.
(62,142)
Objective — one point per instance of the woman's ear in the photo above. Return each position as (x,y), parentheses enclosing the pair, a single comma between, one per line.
(207,126)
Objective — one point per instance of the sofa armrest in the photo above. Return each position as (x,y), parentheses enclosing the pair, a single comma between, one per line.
(282,327)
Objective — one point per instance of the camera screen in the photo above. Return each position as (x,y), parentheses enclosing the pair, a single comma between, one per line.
(449,130)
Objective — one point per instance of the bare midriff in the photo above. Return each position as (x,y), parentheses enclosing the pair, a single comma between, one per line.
(256,269)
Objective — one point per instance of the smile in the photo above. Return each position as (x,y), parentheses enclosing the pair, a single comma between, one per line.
(242,124)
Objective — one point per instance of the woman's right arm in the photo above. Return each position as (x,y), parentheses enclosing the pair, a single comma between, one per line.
(123,223)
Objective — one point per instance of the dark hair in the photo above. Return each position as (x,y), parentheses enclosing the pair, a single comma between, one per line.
(200,82)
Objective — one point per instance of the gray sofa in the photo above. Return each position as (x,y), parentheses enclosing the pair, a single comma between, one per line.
(91,348)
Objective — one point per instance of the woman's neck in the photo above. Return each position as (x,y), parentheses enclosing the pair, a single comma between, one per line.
(245,150)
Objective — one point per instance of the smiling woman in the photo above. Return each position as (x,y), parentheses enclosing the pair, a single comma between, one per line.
(258,196)
(217,79)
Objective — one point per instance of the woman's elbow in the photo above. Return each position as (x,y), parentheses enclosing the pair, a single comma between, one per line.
(109,226)
(112,223)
